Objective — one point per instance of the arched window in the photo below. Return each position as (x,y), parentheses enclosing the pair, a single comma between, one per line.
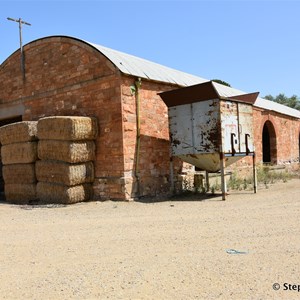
(269,146)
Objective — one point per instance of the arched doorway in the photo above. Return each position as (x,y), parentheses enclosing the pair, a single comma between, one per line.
(269,147)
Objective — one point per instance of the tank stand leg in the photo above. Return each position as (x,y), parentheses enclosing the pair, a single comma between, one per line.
(254,174)
(207,181)
(223,182)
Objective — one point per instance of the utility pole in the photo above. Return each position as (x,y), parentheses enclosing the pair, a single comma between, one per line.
(21,22)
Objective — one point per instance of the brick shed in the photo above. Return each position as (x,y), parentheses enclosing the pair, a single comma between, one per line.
(68,76)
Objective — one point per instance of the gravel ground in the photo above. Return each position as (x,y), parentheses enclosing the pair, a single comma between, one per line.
(165,250)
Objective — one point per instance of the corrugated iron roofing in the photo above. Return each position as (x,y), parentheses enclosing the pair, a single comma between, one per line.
(132,65)
(143,68)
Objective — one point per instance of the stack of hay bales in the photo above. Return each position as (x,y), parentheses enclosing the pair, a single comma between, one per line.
(66,150)
(18,154)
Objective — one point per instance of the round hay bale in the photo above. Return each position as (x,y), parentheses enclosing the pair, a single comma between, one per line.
(19,132)
(64,173)
(66,151)
(19,173)
(57,193)
(20,193)
(19,153)
(67,128)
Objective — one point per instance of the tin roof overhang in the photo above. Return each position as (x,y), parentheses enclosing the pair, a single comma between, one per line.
(201,92)
(135,66)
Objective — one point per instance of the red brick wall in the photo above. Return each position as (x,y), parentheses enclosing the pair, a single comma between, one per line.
(68,77)
(284,144)
(154,154)
(287,130)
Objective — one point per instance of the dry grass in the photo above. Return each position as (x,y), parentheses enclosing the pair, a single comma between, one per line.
(20,193)
(67,128)
(18,132)
(19,173)
(19,153)
(64,173)
(66,151)
(57,193)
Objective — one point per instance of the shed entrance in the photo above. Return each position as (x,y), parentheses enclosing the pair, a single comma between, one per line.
(269,143)
(2,123)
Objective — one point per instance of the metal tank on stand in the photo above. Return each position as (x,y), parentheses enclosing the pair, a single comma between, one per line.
(208,130)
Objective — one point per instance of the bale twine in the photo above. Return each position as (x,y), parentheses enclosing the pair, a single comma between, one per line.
(57,193)
(19,153)
(19,173)
(67,128)
(66,151)
(20,193)
(19,132)
(65,173)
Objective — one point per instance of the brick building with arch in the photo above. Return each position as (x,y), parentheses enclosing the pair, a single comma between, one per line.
(68,76)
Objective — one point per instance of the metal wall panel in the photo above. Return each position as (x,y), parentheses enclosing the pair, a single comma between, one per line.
(245,113)
(180,122)
(206,126)
(229,126)
(195,128)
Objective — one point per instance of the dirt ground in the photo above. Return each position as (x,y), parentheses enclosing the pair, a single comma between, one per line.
(163,250)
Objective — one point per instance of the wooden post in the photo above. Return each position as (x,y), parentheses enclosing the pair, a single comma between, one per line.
(207,181)
(21,22)
(172,187)
(254,173)
(223,182)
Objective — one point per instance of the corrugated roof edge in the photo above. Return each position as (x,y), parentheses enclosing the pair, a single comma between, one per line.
(135,66)
(273,106)
(226,91)
(137,69)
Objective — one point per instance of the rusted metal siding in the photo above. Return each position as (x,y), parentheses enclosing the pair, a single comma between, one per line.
(199,129)
(237,126)
(229,125)
(245,113)
(195,128)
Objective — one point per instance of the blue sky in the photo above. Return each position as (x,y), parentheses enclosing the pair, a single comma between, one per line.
(253,45)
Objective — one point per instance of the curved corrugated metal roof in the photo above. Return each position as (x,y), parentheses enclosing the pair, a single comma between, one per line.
(139,67)
(271,105)
(132,65)
(143,68)
(226,91)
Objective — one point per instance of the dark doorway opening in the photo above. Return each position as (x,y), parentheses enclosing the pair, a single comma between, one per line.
(269,148)
(2,123)
(266,145)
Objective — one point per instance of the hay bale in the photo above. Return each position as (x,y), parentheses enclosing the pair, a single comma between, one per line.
(20,193)
(66,151)
(19,173)
(67,128)
(19,132)
(64,173)
(57,193)
(19,153)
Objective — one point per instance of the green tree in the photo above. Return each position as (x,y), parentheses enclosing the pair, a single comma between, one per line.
(293,102)
(221,82)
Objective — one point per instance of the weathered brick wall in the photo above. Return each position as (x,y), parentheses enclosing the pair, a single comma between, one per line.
(284,145)
(287,130)
(68,77)
(154,155)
